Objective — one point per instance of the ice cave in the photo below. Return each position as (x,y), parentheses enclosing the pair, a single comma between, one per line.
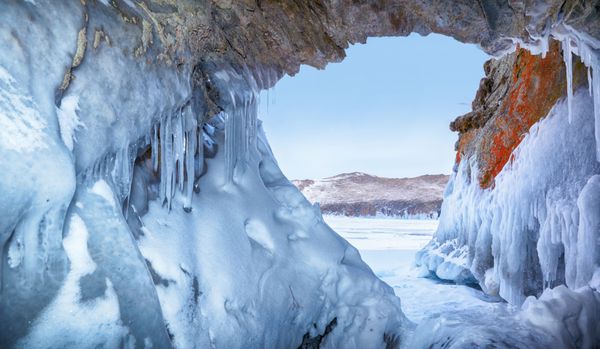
(141,205)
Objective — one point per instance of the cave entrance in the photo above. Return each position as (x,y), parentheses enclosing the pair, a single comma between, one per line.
(368,139)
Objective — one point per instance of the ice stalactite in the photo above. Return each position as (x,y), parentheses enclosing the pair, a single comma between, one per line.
(231,122)
(587,50)
(114,167)
(166,173)
(191,149)
(155,146)
(175,146)
(589,80)
(596,96)
(568,58)
(240,134)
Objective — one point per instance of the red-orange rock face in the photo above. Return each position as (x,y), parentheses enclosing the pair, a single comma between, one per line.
(518,90)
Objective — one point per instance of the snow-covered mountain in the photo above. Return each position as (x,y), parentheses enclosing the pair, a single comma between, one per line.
(361,194)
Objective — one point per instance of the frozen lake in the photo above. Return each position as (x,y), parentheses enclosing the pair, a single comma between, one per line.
(388,246)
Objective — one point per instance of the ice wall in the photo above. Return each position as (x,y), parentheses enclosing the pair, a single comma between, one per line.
(535,228)
(132,217)
(75,107)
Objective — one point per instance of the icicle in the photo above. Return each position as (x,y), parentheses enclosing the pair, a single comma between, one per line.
(200,140)
(120,172)
(596,98)
(228,148)
(163,164)
(169,162)
(125,177)
(545,46)
(179,147)
(568,58)
(200,145)
(232,142)
(589,77)
(154,145)
(130,160)
(240,134)
(190,152)
(251,116)
(243,144)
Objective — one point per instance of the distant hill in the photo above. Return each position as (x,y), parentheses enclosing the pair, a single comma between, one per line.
(361,194)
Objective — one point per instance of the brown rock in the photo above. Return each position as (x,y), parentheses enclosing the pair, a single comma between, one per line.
(518,90)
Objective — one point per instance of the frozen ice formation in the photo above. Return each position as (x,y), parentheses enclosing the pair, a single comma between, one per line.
(560,318)
(132,217)
(534,233)
(535,228)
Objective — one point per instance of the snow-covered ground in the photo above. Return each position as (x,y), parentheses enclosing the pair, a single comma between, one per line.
(388,246)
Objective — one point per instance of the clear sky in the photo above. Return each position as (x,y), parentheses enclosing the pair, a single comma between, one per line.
(384,110)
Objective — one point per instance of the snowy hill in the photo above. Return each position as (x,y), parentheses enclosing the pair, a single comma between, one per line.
(361,194)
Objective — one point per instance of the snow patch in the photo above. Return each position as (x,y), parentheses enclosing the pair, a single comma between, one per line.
(258,232)
(68,120)
(102,189)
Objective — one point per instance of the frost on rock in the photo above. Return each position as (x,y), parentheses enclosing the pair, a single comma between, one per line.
(533,229)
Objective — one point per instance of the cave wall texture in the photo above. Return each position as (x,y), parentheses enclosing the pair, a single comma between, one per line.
(279,36)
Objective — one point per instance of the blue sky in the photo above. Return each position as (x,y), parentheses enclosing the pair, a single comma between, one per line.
(384,110)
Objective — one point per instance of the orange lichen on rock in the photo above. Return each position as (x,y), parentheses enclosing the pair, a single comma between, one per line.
(534,86)
(463,141)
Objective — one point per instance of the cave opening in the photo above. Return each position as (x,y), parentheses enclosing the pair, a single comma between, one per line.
(384,110)
(368,139)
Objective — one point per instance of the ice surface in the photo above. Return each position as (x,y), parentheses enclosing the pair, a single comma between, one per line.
(383,233)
